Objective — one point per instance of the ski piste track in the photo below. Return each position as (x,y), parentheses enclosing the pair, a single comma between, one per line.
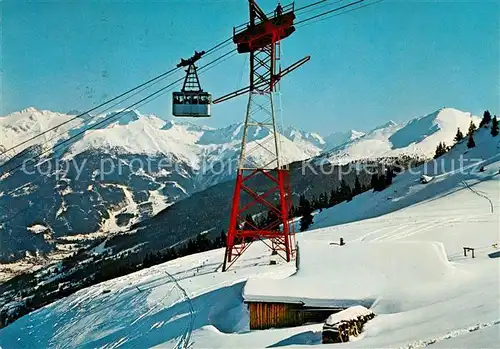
(185,338)
(184,341)
(479,193)
(450,335)
(403,231)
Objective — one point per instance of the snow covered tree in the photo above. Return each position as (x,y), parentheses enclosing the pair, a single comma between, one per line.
(472,128)
(470,141)
(459,136)
(486,119)
(494,127)
(324,200)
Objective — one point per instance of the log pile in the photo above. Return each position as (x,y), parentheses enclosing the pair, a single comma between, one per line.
(349,322)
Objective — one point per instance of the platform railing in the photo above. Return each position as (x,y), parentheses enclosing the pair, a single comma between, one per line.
(270,15)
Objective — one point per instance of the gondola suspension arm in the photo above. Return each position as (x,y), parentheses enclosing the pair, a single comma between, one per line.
(263,84)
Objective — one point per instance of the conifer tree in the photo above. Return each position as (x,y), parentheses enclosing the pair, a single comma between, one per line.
(305,222)
(344,191)
(459,136)
(304,206)
(389,176)
(440,150)
(223,238)
(357,186)
(486,118)
(470,141)
(472,128)
(333,198)
(437,153)
(305,209)
(374,181)
(324,202)
(494,127)
(321,201)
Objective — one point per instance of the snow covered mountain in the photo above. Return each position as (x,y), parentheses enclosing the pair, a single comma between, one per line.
(417,137)
(116,176)
(403,258)
(134,133)
(338,138)
(21,126)
(110,178)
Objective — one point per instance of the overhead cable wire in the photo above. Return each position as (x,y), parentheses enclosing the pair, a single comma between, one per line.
(310,5)
(320,7)
(104,111)
(110,118)
(91,110)
(83,121)
(154,79)
(341,13)
(201,70)
(165,74)
(328,12)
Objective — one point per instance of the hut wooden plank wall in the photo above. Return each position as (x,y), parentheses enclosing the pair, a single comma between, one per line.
(268,315)
(264,315)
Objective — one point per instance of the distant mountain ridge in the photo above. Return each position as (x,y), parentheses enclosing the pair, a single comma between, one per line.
(156,163)
(136,133)
(73,208)
(417,137)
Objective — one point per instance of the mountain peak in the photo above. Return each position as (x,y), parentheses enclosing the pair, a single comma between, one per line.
(389,123)
(29,110)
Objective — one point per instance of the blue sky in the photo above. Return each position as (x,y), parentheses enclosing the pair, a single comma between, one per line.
(394,60)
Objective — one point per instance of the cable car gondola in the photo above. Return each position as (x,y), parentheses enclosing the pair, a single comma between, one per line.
(191,101)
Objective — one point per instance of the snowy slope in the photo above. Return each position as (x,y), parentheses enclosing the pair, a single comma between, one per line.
(418,137)
(189,301)
(376,266)
(444,171)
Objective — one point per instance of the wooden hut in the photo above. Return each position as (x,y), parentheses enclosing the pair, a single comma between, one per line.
(264,315)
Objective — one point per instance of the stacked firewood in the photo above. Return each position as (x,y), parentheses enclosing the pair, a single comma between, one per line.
(349,322)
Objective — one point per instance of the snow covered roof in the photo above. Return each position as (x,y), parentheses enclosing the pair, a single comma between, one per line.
(356,273)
